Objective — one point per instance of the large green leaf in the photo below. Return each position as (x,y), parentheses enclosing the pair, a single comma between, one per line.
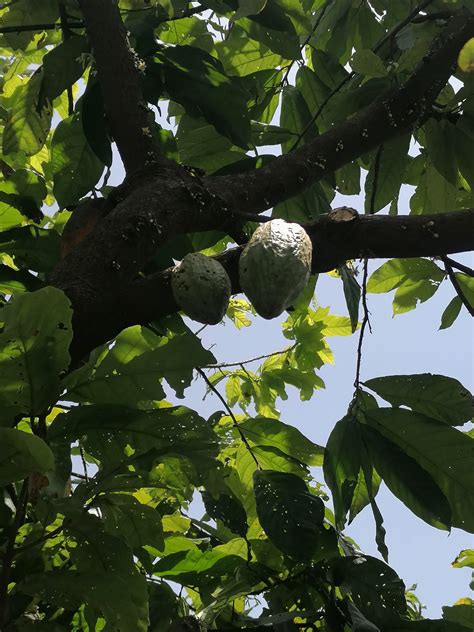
(413,485)
(62,67)
(31,247)
(121,599)
(107,431)
(25,13)
(342,463)
(33,351)
(199,83)
(290,515)
(22,454)
(287,439)
(75,166)
(436,396)
(27,126)
(444,452)
(21,197)
(376,589)
(135,523)
(197,567)
(415,279)
(385,176)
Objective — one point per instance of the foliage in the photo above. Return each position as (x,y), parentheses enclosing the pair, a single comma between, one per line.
(101,459)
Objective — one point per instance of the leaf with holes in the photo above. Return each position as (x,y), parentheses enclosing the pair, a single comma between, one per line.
(290,515)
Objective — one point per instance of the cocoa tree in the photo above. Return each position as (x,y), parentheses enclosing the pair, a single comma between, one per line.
(94,352)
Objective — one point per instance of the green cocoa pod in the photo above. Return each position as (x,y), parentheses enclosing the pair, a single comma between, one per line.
(201,288)
(275,266)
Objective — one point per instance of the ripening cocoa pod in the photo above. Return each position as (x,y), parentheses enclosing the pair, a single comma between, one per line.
(275,266)
(201,288)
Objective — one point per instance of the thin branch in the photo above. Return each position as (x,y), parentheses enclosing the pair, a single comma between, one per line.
(225,365)
(307,39)
(231,415)
(48,26)
(457,287)
(459,266)
(365,322)
(373,197)
(45,538)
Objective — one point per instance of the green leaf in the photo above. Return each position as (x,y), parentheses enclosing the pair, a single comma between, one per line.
(286,438)
(436,396)
(295,116)
(282,42)
(351,294)
(249,7)
(289,514)
(26,13)
(367,63)
(75,166)
(444,452)
(386,172)
(376,589)
(451,313)
(466,56)
(462,613)
(94,123)
(200,145)
(130,520)
(409,482)
(397,272)
(465,558)
(434,194)
(120,598)
(12,281)
(440,137)
(62,67)
(466,283)
(174,430)
(416,280)
(22,454)
(227,509)
(27,126)
(199,83)
(342,464)
(33,351)
(31,247)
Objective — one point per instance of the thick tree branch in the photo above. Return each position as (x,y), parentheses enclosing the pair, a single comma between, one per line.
(118,67)
(389,116)
(337,237)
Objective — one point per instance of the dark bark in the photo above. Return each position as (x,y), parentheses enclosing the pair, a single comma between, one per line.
(118,68)
(162,200)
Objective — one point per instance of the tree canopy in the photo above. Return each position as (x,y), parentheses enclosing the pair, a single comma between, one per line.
(273,108)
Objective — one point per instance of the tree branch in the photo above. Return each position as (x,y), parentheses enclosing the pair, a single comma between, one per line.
(392,114)
(335,238)
(118,67)
(456,286)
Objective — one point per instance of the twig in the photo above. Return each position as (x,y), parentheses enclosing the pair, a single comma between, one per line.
(231,414)
(459,266)
(10,552)
(84,464)
(352,74)
(452,277)
(365,322)
(224,365)
(48,26)
(315,26)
